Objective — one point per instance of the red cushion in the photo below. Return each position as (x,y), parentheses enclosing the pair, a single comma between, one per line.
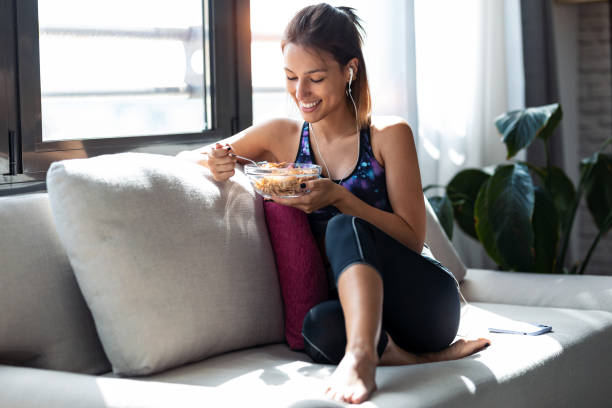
(299,264)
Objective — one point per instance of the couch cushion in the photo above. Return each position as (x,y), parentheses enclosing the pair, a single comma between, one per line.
(535,289)
(301,273)
(569,367)
(440,245)
(44,321)
(174,266)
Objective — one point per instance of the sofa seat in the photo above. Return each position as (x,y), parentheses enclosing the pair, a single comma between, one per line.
(556,369)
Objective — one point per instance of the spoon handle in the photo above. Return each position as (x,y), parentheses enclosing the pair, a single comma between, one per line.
(238,156)
(243,158)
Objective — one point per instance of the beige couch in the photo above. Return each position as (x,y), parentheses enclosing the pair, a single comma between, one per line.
(55,351)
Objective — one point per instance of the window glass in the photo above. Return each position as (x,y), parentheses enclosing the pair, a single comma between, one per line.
(118,68)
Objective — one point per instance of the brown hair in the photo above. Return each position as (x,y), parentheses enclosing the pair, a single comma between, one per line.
(338,31)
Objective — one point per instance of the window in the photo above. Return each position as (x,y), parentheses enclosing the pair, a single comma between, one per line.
(108,74)
(79,79)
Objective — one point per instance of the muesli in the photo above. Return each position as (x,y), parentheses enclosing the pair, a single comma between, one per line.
(284,183)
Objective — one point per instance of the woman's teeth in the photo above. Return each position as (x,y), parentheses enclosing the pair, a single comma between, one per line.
(310,105)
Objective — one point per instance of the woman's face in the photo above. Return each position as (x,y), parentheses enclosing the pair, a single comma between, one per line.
(315,81)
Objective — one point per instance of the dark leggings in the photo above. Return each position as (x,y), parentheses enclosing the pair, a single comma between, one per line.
(420,297)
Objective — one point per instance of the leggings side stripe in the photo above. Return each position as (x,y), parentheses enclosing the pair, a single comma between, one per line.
(357,239)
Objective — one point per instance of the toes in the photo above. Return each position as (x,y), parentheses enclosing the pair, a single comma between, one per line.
(358,397)
(351,395)
(481,342)
(339,394)
(475,346)
(347,396)
(331,394)
(484,344)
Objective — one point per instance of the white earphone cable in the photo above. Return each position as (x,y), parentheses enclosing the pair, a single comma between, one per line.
(314,136)
(350,94)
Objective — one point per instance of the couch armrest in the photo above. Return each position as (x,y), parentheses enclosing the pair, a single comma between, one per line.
(534,289)
(34,388)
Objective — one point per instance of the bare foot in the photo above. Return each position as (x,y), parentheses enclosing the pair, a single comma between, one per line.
(353,379)
(459,349)
(395,355)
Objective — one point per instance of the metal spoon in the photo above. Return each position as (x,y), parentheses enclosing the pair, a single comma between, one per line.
(244,158)
(238,156)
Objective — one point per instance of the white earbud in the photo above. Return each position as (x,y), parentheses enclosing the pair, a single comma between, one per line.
(350,95)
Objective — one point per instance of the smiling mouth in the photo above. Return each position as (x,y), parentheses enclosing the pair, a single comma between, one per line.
(309,105)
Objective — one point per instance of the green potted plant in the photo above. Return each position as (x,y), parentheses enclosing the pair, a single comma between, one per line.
(523,214)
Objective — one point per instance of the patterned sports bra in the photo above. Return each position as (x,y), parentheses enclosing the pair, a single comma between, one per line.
(366,181)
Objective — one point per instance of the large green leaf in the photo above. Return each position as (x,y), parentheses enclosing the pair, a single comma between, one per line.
(444,211)
(598,187)
(556,114)
(503,212)
(520,127)
(462,191)
(562,191)
(546,231)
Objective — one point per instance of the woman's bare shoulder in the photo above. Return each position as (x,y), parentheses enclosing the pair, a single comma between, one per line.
(279,126)
(279,137)
(390,125)
(389,133)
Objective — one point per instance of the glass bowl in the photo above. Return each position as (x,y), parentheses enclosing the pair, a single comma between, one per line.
(280,180)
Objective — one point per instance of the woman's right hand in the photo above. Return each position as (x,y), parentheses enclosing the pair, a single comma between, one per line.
(220,163)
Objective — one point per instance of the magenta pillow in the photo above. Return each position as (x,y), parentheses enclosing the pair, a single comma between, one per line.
(299,264)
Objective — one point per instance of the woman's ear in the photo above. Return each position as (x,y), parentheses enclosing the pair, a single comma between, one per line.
(352,68)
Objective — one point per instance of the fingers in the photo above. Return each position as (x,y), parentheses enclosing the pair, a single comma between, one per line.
(223,176)
(220,151)
(220,163)
(307,187)
(299,202)
(318,184)
(283,201)
(314,193)
(221,167)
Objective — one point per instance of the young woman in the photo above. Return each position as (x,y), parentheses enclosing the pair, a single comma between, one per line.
(396,304)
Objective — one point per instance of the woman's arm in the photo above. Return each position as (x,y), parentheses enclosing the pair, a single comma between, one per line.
(407,222)
(266,141)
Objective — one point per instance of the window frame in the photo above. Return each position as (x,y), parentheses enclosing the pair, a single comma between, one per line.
(230,88)
(8,99)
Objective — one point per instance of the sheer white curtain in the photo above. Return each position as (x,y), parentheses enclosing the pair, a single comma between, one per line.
(468,72)
(450,68)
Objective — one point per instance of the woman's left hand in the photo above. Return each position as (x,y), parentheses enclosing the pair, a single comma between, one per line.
(319,193)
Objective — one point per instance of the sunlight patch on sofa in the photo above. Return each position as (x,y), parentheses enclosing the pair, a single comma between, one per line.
(469,384)
(124,393)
